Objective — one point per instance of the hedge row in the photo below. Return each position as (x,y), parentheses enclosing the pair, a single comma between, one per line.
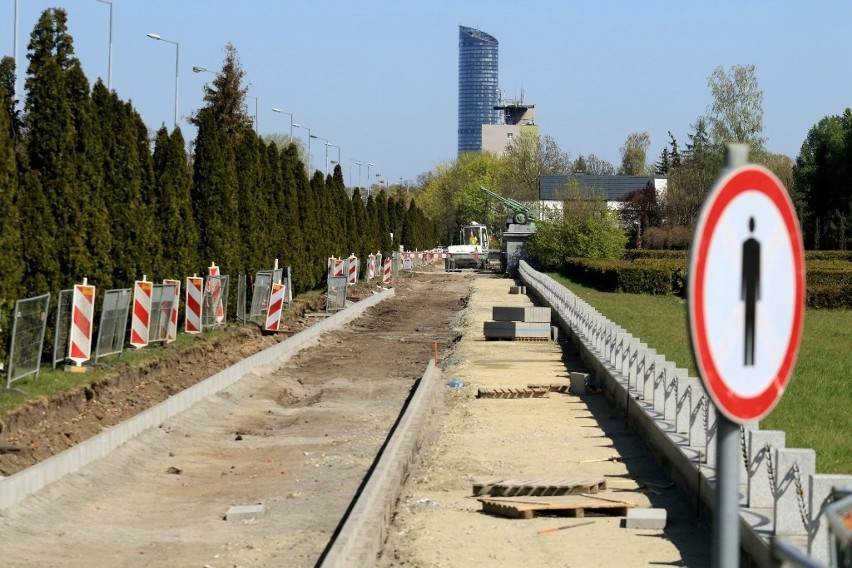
(829,282)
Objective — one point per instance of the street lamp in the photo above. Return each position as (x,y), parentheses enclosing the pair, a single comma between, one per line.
(359,173)
(368,176)
(109,72)
(291,119)
(177,61)
(325,141)
(309,146)
(15,53)
(338,152)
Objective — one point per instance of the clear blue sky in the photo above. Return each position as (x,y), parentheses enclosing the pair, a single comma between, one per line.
(379,79)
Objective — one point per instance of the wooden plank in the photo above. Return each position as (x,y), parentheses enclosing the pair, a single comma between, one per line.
(539,487)
(564,505)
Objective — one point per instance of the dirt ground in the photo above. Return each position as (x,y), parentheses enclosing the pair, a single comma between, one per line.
(299,439)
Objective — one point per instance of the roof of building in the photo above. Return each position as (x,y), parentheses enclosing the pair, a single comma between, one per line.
(614,188)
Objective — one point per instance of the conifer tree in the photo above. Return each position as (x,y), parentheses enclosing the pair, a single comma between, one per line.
(8,76)
(11,260)
(63,148)
(359,214)
(221,124)
(252,229)
(384,225)
(293,177)
(174,212)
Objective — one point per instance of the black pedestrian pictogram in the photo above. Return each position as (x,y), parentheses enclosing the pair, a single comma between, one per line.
(750,290)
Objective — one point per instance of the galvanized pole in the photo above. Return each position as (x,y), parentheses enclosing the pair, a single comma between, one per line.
(726,521)
(15,55)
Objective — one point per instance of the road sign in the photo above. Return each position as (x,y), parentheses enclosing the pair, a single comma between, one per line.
(746,292)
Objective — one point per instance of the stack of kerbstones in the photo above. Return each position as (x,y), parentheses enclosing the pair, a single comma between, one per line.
(518,322)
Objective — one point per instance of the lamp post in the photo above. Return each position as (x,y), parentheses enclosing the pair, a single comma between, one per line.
(291,119)
(368,176)
(177,67)
(109,68)
(338,152)
(359,173)
(309,146)
(15,52)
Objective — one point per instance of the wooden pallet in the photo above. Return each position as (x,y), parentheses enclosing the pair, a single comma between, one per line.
(564,505)
(559,387)
(539,487)
(512,393)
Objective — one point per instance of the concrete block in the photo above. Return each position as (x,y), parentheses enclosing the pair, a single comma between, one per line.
(761,449)
(661,380)
(673,388)
(653,373)
(521,313)
(517,289)
(579,383)
(645,519)
(686,391)
(245,512)
(513,329)
(819,541)
(712,436)
(789,485)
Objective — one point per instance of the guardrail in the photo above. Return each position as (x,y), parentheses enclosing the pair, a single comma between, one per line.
(782,498)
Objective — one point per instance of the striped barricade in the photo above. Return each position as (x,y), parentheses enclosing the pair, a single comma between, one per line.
(215,289)
(276,305)
(352,269)
(82,318)
(386,273)
(194,295)
(371,266)
(141,318)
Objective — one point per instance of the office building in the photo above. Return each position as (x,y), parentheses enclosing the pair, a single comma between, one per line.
(478,91)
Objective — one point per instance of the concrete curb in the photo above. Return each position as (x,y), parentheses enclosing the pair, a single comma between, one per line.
(364,532)
(15,488)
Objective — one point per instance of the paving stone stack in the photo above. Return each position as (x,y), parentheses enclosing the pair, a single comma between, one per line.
(518,322)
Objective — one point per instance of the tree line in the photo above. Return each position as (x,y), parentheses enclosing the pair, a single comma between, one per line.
(85,192)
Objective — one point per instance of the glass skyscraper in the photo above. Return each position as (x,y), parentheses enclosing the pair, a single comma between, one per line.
(478,94)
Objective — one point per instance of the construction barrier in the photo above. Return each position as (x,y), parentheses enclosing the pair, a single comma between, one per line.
(62,327)
(276,304)
(352,269)
(336,269)
(171,328)
(194,294)
(113,325)
(141,318)
(215,288)
(386,273)
(371,266)
(30,321)
(82,323)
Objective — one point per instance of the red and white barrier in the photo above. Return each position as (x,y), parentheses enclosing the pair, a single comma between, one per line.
(141,318)
(82,318)
(352,269)
(276,305)
(171,328)
(337,270)
(386,275)
(194,301)
(215,286)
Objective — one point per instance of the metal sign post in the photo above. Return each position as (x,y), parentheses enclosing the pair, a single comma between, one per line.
(745,306)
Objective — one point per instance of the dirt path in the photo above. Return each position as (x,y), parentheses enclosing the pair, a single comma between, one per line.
(298,439)
(562,436)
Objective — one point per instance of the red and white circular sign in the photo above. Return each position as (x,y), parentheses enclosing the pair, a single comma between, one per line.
(746,292)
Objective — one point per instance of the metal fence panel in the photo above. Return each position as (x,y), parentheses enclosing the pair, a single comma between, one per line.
(395,268)
(215,309)
(113,324)
(30,321)
(289,285)
(62,331)
(241,297)
(163,297)
(336,298)
(260,296)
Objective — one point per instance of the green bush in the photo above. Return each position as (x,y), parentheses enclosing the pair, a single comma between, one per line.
(646,276)
(829,297)
(828,255)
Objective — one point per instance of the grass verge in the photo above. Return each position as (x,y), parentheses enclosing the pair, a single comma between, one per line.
(814,411)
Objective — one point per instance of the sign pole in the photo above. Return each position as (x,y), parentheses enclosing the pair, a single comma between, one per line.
(726,522)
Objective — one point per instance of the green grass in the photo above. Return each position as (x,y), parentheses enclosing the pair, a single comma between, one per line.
(816,409)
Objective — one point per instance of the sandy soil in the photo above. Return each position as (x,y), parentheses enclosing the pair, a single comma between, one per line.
(440,523)
(298,439)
